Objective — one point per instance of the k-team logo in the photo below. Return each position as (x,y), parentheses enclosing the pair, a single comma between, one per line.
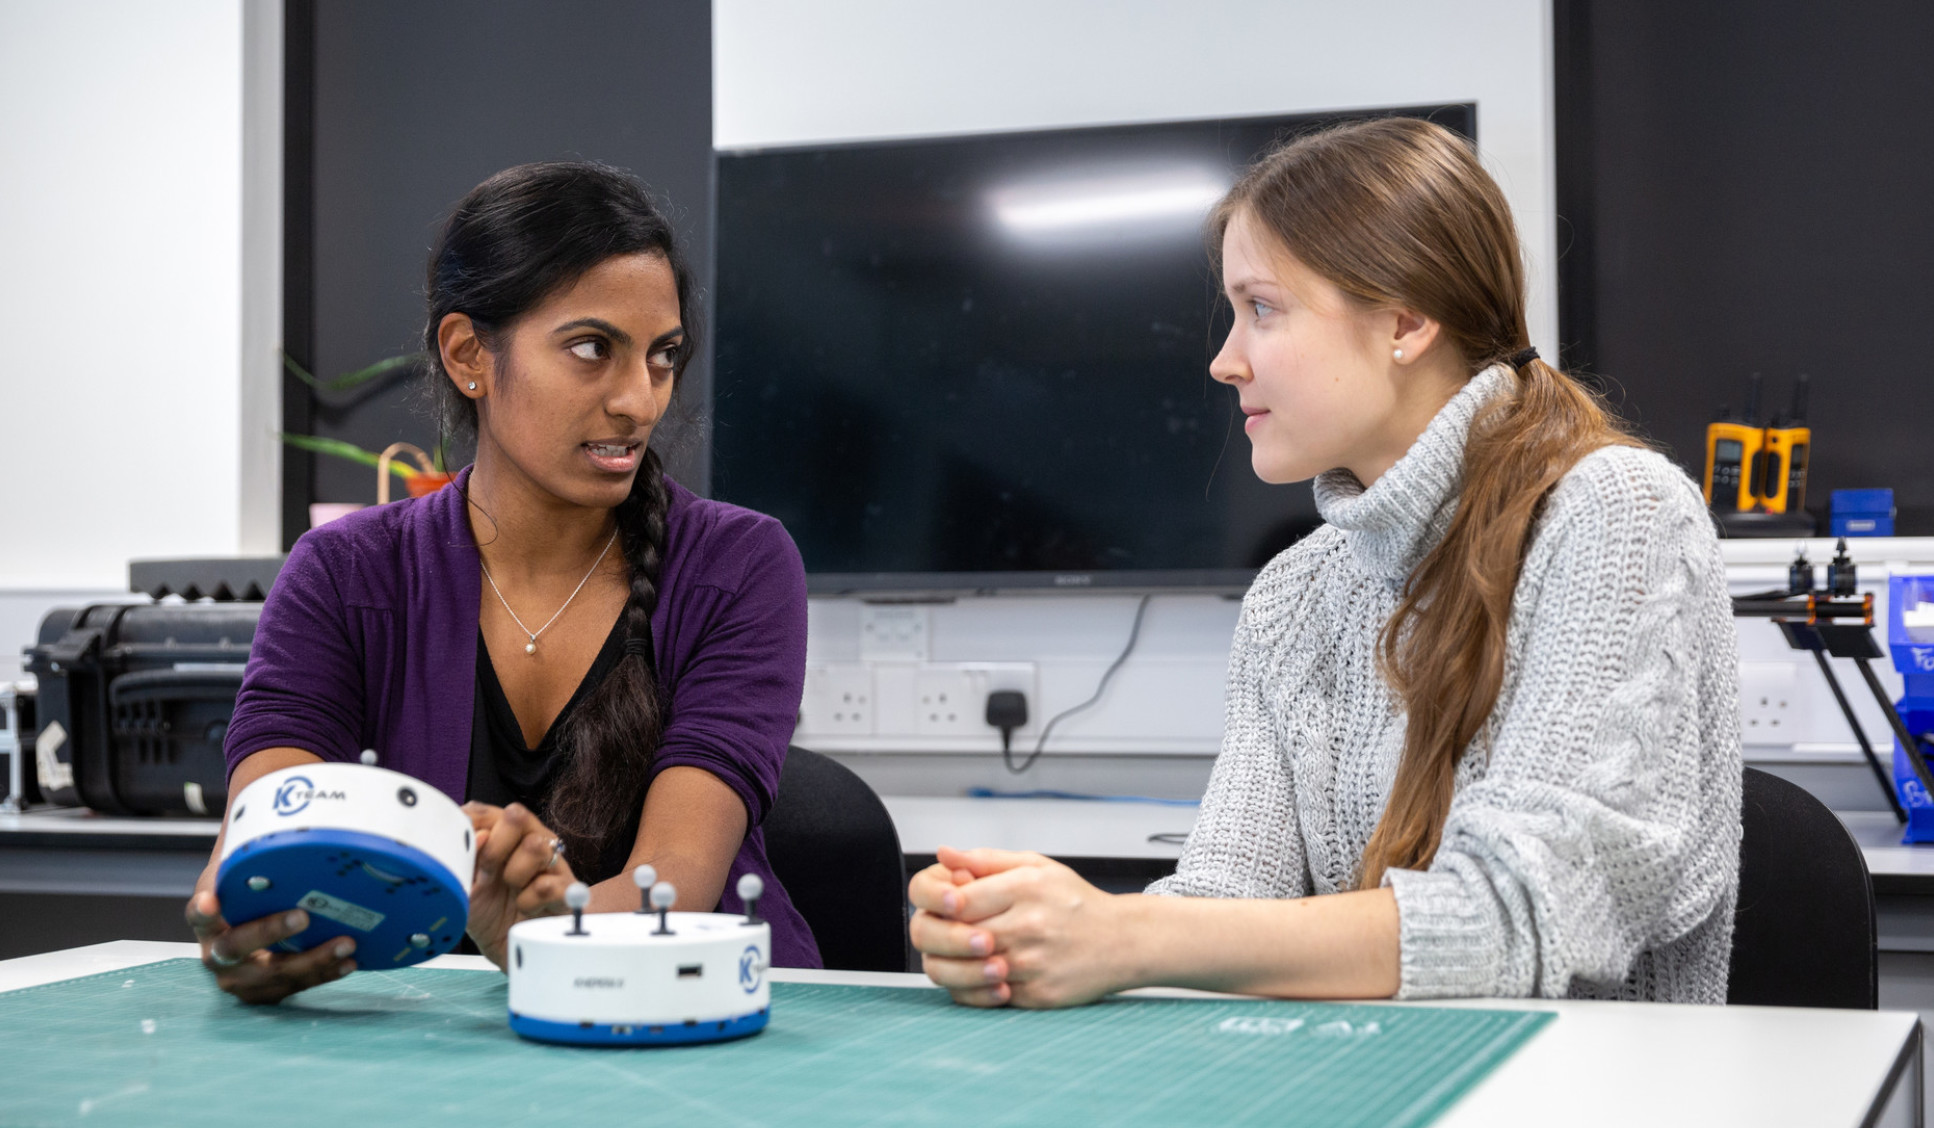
(297,792)
(751,969)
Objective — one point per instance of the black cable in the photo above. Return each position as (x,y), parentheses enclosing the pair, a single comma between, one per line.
(1041,742)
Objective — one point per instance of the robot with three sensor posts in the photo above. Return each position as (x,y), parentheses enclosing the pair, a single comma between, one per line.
(651,977)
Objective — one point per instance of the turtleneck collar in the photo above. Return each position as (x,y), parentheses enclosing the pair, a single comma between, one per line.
(1393,524)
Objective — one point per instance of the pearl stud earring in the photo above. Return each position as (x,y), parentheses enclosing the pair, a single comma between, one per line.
(473,384)
(1398,353)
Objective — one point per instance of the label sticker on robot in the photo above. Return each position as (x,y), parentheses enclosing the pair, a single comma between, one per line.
(340,911)
(54,775)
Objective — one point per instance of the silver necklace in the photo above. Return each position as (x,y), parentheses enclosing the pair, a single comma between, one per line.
(531,646)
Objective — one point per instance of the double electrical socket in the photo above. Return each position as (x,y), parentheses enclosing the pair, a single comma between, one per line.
(838,701)
(951,699)
(1766,702)
(911,699)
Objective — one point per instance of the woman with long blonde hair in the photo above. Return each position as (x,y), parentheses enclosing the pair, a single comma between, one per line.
(1482,726)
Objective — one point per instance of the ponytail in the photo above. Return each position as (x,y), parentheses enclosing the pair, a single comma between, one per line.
(1443,649)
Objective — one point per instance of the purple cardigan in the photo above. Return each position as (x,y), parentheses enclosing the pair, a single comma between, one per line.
(369,640)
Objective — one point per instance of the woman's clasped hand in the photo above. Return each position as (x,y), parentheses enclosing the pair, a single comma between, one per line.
(997,927)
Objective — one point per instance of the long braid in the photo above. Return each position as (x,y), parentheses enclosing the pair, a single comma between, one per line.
(641,521)
(608,741)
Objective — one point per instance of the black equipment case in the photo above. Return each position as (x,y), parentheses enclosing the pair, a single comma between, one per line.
(143,694)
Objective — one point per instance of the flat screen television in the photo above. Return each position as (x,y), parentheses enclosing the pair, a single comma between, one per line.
(980,363)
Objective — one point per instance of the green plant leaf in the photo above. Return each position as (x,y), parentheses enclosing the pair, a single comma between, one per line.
(351,379)
(340,449)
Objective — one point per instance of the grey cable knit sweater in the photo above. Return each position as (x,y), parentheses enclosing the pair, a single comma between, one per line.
(1592,847)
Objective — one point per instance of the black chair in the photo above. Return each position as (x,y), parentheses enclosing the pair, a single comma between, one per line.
(1803,935)
(833,846)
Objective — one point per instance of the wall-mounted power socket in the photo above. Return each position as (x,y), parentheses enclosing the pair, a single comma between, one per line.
(950,699)
(839,701)
(1766,702)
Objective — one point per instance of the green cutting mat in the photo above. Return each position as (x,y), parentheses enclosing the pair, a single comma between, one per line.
(159,1045)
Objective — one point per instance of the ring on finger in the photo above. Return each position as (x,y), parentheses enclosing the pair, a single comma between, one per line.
(215,957)
(557,850)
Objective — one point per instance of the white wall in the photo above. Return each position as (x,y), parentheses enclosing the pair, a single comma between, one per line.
(120,251)
(259,453)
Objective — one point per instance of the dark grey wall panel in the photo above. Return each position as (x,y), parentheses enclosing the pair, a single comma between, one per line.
(1748,190)
(415,102)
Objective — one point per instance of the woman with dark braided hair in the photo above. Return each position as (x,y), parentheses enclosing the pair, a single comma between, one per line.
(606,666)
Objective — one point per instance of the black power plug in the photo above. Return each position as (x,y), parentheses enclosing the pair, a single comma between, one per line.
(1007,711)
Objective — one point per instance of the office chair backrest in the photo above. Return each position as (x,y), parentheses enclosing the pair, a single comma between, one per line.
(1803,935)
(833,846)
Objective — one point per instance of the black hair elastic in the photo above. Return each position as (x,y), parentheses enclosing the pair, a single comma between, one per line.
(1520,359)
(638,646)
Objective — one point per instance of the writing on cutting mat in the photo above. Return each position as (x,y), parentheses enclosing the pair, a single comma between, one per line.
(340,911)
(1343,1029)
(1256,1024)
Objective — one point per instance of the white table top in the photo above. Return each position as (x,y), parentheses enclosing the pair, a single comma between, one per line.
(1878,834)
(1062,828)
(1598,1064)
(79,821)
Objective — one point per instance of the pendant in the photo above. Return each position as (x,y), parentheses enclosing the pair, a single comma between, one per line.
(531,646)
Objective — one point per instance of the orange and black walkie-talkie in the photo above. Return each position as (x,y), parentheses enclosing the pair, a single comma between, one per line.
(1780,479)
(1732,454)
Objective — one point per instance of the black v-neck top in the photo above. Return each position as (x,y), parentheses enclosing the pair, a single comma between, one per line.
(503,770)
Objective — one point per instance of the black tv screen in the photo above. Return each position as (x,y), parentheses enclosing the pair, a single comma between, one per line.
(981,362)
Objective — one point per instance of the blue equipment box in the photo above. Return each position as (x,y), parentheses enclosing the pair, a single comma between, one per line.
(1910,639)
(1862,513)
